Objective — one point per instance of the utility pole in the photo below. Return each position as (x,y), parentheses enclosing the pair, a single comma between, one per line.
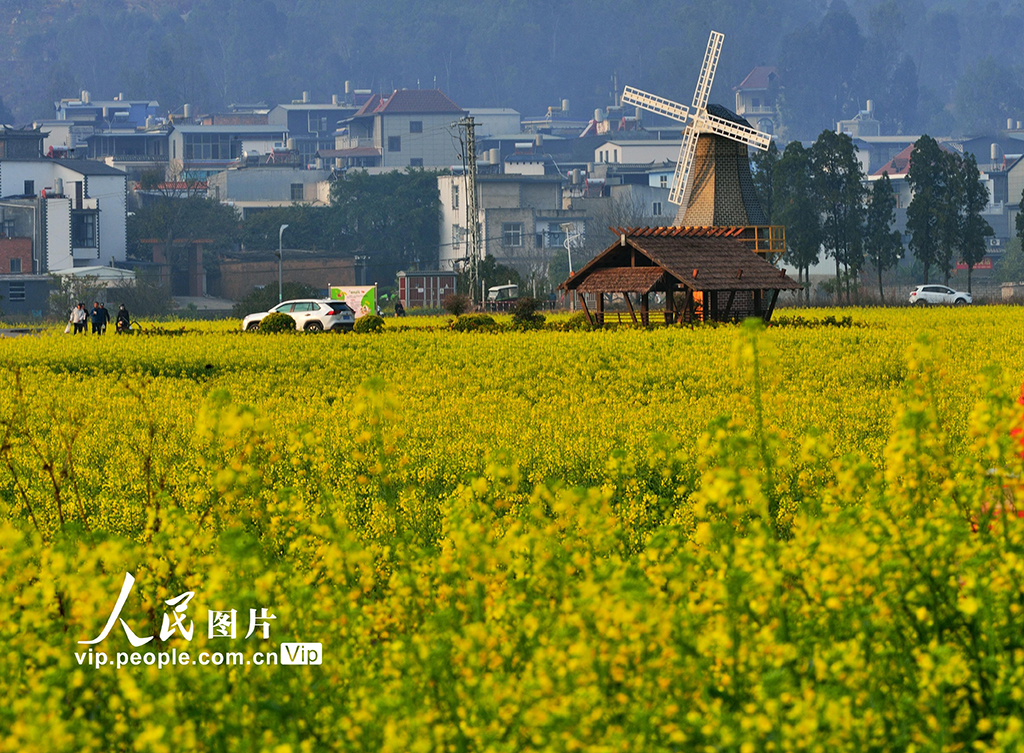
(472,214)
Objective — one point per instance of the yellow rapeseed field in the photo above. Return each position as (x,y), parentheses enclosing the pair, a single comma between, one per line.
(712,539)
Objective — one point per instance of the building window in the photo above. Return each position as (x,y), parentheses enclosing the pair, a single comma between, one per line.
(30,188)
(755,102)
(394,143)
(656,209)
(456,237)
(296,192)
(83,229)
(16,292)
(416,162)
(15,266)
(415,126)
(7,228)
(512,234)
(455,195)
(663,182)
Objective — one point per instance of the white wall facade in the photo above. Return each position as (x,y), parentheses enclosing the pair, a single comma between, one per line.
(104,192)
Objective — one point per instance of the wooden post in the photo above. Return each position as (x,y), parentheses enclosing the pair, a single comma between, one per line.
(645,308)
(586,310)
(629,303)
(600,309)
(771,306)
(711,300)
(728,305)
(670,307)
(758,309)
(687,310)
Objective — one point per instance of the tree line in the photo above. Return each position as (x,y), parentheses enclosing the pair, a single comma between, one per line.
(819,194)
(390,220)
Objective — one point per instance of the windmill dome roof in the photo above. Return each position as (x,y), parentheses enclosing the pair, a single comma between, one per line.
(726,114)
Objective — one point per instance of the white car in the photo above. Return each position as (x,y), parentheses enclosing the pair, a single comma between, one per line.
(310,315)
(924,295)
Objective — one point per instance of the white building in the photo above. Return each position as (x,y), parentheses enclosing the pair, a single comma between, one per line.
(521,220)
(638,151)
(251,189)
(75,211)
(408,128)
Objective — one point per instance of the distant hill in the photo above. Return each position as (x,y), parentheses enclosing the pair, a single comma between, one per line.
(526,55)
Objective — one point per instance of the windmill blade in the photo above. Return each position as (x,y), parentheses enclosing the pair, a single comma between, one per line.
(681,182)
(655,104)
(707,71)
(714,124)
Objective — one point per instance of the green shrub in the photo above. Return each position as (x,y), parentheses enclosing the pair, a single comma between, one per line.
(525,308)
(368,323)
(273,324)
(474,323)
(575,323)
(457,304)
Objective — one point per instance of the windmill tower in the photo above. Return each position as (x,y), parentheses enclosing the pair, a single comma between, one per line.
(712,184)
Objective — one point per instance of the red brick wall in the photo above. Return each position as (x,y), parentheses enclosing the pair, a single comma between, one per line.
(238,278)
(15,248)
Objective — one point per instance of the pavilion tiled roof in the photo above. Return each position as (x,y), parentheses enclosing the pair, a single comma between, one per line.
(622,280)
(699,258)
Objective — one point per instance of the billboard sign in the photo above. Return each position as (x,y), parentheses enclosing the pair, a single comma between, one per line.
(361,299)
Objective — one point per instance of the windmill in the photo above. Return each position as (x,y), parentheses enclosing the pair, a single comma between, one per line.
(709,126)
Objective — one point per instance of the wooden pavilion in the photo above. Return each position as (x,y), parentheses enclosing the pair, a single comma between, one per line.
(716,269)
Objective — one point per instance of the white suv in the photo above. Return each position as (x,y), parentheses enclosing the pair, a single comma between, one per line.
(310,315)
(924,295)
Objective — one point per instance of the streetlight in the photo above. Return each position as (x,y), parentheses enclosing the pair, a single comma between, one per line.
(570,236)
(280,285)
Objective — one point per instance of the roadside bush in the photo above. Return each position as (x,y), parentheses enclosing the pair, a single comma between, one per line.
(474,323)
(273,324)
(368,323)
(576,323)
(457,304)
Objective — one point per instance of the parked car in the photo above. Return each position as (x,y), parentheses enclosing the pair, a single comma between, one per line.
(924,295)
(310,315)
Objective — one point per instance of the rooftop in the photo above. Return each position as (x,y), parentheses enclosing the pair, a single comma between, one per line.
(410,101)
(759,78)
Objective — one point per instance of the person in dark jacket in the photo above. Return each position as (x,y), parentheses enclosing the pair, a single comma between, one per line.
(123,323)
(98,317)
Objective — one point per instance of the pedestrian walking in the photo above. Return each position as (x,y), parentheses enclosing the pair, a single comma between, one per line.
(78,317)
(97,319)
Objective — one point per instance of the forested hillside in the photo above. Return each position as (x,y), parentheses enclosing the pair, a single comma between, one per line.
(927,66)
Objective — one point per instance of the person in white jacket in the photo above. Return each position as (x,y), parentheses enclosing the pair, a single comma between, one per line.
(78,318)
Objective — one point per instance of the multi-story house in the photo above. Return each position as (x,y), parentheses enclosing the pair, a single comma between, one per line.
(254,189)
(73,212)
(520,217)
(756,99)
(311,126)
(408,128)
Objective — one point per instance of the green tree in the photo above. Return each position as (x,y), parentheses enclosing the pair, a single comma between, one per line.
(883,246)
(794,204)
(1018,221)
(393,219)
(840,192)
(949,201)
(763,174)
(6,116)
(1010,268)
(925,178)
(492,273)
(975,228)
